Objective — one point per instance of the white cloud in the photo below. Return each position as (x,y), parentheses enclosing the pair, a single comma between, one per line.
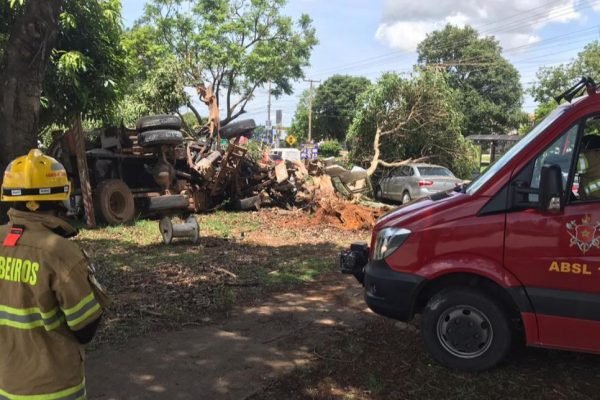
(404,36)
(515,23)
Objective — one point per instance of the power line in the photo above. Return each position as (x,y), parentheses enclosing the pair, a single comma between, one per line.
(502,29)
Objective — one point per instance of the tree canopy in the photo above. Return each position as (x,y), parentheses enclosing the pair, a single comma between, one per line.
(299,127)
(334,106)
(410,118)
(88,65)
(490,94)
(552,81)
(234,45)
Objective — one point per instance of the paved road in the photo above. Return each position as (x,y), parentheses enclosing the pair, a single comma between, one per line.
(234,358)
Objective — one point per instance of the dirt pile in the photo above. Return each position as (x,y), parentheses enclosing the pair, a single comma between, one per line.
(347,215)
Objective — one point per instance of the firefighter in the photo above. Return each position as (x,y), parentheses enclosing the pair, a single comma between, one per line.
(50,303)
(588,167)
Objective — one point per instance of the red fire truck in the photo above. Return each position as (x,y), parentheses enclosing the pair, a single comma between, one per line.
(513,256)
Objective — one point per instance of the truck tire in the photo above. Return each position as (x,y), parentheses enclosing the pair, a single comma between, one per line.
(238,128)
(160,137)
(114,202)
(464,329)
(153,122)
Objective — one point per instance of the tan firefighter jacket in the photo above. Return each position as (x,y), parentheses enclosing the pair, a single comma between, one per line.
(45,294)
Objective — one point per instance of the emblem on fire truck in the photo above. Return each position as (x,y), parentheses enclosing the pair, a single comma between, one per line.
(584,235)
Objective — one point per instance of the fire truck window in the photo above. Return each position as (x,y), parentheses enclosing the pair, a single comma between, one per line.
(560,153)
(586,184)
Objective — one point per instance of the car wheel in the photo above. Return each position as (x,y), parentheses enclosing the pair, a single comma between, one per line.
(154,122)
(466,330)
(406,197)
(378,193)
(114,202)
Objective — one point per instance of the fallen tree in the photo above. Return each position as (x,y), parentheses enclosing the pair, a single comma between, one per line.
(410,120)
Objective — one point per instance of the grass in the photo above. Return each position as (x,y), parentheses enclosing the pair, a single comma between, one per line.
(381,362)
(296,271)
(241,258)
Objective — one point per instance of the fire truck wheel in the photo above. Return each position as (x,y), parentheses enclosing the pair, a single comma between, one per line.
(153,122)
(114,202)
(466,330)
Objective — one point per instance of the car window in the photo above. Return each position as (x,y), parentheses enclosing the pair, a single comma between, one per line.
(435,171)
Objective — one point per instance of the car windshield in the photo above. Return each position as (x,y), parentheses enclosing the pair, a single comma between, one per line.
(531,136)
(434,171)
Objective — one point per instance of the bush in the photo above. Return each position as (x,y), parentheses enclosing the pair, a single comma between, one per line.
(330,148)
(255,150)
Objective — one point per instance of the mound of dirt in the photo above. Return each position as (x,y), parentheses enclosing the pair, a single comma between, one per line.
(347,215)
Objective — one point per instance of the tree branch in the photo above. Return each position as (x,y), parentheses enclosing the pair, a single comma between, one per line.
(195,111)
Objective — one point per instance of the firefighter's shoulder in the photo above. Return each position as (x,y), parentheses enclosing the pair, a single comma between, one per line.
(60,248)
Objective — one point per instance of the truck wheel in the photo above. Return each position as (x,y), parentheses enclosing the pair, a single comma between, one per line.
(160,137)
(466,330)
(153,122)
(114,202)
(406,197)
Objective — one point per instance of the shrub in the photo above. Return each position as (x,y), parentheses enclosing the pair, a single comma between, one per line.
(330,148)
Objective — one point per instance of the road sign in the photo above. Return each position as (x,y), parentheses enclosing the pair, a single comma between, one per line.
(309,151)
(291,140)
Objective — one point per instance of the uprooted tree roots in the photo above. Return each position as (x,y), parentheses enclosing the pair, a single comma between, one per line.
(347,215)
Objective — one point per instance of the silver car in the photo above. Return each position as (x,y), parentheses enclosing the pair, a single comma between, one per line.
(412,181)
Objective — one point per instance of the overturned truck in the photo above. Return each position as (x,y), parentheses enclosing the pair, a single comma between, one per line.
(154,170)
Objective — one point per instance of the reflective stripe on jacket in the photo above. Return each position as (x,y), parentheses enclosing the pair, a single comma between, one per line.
(45,294)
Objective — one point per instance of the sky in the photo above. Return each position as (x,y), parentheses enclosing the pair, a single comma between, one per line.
(369,37)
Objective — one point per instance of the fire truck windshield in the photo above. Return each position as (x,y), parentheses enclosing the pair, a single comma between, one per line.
(530,137)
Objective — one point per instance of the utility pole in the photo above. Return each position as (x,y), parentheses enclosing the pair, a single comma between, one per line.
(269,104)
(268,127)
(310,101)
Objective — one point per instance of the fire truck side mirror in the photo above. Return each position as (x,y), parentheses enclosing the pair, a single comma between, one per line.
(551,191)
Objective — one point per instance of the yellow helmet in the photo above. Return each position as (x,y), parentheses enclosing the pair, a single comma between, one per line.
(35,177)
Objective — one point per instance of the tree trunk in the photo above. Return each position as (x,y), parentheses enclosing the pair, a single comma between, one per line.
(31,41)
(376,152)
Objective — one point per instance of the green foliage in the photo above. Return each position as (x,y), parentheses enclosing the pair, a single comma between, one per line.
(299,127)
(190,120)
(330,148)
(551,81)
(8,15)
(335,104)
(255,150)
(418,117)
(88,65)
(161,92)
(490,94)
(236,46)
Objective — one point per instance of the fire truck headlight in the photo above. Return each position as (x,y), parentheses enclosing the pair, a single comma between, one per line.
(388,240)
